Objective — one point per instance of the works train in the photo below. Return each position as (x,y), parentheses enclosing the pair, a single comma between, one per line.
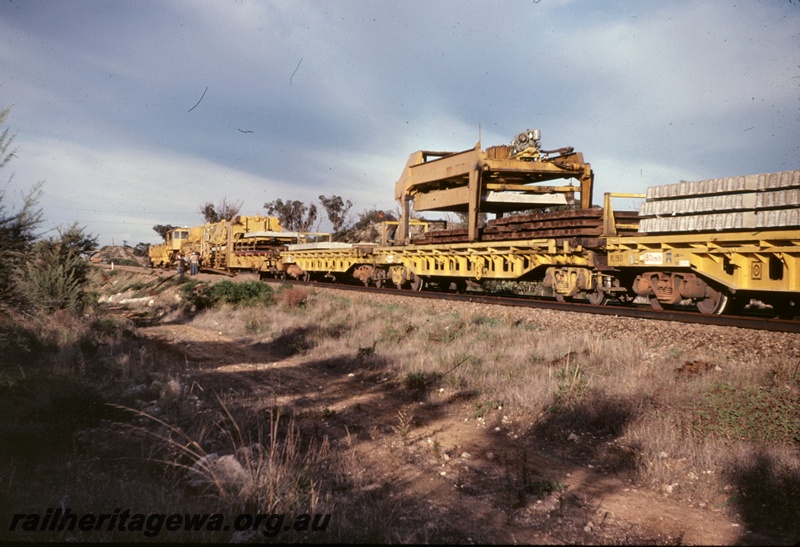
(716,244)
(242,244)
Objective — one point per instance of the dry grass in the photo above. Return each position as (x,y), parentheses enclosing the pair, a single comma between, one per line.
(622,397)
(622,394)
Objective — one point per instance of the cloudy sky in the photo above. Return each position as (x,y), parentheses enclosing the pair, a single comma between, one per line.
(135,113)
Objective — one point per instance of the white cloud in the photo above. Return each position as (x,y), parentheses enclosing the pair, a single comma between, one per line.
(133,189)
(680,89)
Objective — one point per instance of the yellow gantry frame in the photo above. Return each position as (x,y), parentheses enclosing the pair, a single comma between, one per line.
(459,181)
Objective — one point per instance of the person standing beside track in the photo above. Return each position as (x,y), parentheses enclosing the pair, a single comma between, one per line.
(194,263)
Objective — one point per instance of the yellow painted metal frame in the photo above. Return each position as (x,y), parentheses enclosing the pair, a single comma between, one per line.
(489,260)
(755,261)
(457,181)
(328,260)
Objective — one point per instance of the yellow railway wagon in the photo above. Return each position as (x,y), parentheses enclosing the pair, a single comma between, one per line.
(411,266)
(717,270)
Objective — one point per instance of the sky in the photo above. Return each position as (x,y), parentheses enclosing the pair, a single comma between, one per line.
(137,112)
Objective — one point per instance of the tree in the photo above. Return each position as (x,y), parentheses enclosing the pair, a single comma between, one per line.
(17,228)
(336,210)
(74,240)
(6,140)
(365,228)
(44,275)
(163,230)
(222,211)
(55,274)
(294,216)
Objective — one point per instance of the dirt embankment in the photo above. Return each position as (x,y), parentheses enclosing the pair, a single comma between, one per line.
(412,458)
(456,474)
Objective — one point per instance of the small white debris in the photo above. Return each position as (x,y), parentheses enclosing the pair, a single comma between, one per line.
(669,488)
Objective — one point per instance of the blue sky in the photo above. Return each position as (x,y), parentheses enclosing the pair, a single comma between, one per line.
(302,98)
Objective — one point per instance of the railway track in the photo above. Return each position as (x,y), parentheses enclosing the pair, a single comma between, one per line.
(753,321)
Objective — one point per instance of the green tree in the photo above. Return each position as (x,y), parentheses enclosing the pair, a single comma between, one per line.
(55,274)
(163,230)
(222,211)
(17,228)
(336,210)
(294,216)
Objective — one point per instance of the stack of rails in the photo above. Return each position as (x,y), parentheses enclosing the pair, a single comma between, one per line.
(750,202)
(581,223)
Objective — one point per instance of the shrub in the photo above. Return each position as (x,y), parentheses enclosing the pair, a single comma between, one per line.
(197,293)
(53,280)
(55,274)
(250,293)
(292,297)
(242,294)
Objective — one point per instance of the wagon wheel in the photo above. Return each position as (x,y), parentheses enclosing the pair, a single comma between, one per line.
(560,298)
(459,286)
(655,304)
(714,303)
(785,308)
(597,297)
(417,283)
